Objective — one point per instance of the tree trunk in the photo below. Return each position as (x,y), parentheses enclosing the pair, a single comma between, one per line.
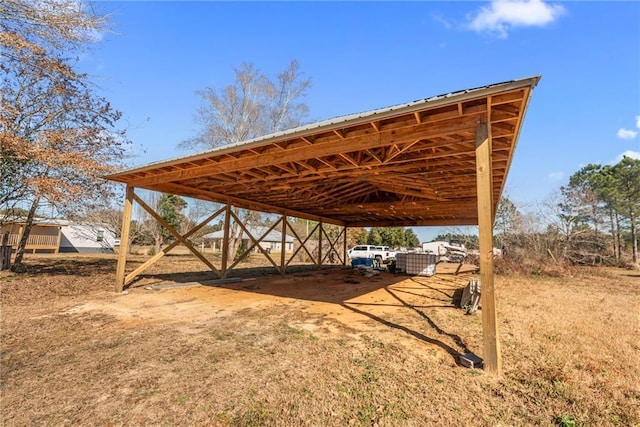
(618,236)
(22,244)
(235,238)
(616,254)
(634,236)
(158,241)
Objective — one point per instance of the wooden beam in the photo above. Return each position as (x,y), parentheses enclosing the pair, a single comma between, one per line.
(344,246)
(283,245)
(379,159)
(490,338)
(320,245)
(349,159)
(58,239)
(124,238)
(225,240)
(414,222)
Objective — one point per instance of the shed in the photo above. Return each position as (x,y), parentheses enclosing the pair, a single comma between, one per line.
(441,160)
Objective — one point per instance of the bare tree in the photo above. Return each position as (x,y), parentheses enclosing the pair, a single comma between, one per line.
(253,106)
(57,138)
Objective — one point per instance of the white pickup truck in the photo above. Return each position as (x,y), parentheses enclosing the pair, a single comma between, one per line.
(380,253)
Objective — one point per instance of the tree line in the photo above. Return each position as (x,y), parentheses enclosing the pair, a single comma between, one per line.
(593,219)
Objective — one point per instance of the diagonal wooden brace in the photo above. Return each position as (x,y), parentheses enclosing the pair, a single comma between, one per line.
(302,243)
(180,238)
(332,247)
(255,242)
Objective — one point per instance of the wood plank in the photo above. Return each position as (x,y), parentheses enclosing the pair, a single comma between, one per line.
(414,222)
(283,245)
(225,239)
(344,246)
(124,239)
(490,337)
(346,157)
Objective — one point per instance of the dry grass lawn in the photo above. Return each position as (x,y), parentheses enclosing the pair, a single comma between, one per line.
(326,347)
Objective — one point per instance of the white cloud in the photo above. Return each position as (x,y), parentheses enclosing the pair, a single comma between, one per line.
(501,15)
(627,133)
(556,176)
(638,122)
(440,19)
(629,153)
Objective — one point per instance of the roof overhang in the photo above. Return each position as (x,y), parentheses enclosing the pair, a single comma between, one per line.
(407,165)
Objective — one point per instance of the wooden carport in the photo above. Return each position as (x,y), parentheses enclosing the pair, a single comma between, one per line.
(437,161)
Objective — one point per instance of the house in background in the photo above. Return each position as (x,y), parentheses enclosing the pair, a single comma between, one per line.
(87,238)
(272,241)
(44,237)
(54,236)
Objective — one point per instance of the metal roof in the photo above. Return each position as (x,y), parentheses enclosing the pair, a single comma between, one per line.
(408,164)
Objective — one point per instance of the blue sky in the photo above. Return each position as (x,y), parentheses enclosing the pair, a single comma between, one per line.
(366,55)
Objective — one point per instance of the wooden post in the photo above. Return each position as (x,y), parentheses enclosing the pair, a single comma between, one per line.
(20,231)
(59,238)
(283,245)
(320,245)
(5,252)
(124,239)
(491,343)
(225,240)
(344,247)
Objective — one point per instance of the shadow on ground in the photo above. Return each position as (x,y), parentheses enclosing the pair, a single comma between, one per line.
(383,297)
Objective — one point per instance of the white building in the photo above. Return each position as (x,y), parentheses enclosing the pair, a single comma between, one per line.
(272,241)
(86,238)
(57,235)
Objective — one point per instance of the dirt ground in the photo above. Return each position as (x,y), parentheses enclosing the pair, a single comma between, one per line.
(314,347)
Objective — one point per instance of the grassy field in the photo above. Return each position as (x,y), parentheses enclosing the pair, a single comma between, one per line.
(316,347)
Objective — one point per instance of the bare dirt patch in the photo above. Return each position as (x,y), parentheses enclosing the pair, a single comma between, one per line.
(327,347)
